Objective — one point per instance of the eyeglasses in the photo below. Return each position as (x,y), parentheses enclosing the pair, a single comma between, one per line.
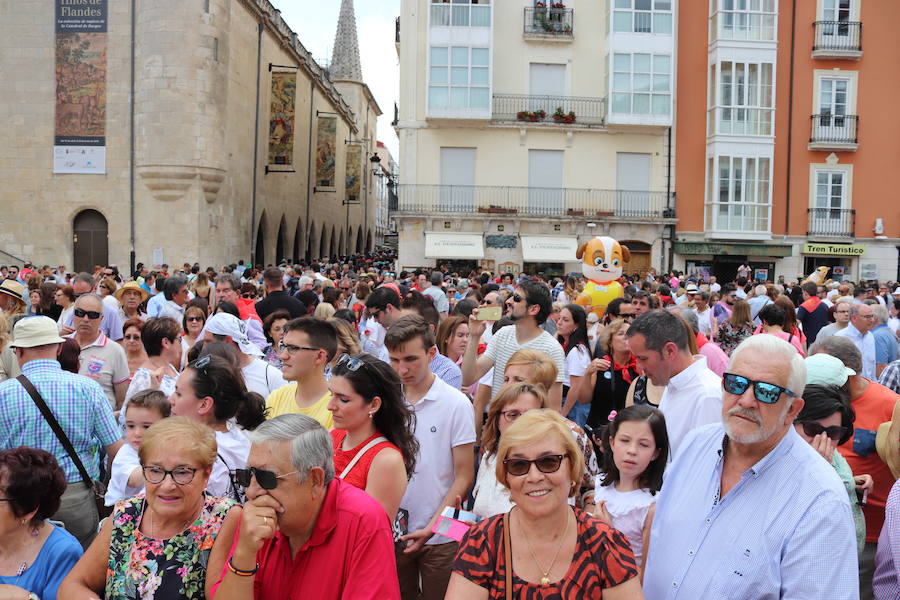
(189,319)
(836,433)
(545,464)
(133,337)
(292,349)
(511,415)
(517,298)
(627,315)
(180,475)
(90,314)
(267,480)
(346,289)
(248,295)
(767,393)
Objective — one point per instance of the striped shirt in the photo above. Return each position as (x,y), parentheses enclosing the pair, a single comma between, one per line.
(77,402)
(784,531)
(504,344)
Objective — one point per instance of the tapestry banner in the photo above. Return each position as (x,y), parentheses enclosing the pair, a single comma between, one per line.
(281,120)
(326,142)
(354,172)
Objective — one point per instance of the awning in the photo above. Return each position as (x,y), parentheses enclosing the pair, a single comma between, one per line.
(549,248)
(446,244)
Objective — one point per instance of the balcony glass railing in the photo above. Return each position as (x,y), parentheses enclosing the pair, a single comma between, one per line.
(739,120)
(743,25)
(831,222)
(738,217)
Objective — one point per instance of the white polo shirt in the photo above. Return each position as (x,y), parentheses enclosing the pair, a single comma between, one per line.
(503,345)
(691,399)
(443,422)
(104,361)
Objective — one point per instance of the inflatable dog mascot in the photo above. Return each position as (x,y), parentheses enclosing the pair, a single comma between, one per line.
(602,259)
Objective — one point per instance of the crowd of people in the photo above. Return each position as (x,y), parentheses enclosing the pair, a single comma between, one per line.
(339,430)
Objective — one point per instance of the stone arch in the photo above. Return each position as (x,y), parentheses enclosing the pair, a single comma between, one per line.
(311,242)
(281,241)
(297,254)
(323,242)
(90,236)
(332,246)
(259,257)
(369,246)
(359,240)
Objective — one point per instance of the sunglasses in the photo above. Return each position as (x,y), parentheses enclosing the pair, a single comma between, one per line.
(545,464)
(836,433)
(351,363)
(180,475)
(267,480)
(133,337)
(248,295)
(767,393)
(201,363)
(189,319)
(517,298)
(90,314)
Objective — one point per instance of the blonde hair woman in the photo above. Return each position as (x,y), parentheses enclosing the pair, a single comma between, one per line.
(9,366)
(558,550)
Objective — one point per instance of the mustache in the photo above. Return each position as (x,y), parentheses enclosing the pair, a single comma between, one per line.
(745,412)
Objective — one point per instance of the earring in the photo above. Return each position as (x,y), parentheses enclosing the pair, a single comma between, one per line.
(370,414)
(24,521)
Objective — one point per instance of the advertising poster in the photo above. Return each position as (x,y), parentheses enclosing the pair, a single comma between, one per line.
(761,274)
(326,141)
(79,144)
(354,172)
(281,119)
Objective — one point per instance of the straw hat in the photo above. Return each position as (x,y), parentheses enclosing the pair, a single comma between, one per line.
(131,285)
(887,442)
(13,288)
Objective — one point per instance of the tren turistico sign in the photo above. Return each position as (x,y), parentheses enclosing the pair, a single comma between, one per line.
(833,249)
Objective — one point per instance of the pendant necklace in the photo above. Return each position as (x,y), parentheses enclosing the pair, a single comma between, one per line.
(545,580)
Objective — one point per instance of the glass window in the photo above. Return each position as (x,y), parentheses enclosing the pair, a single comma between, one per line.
(642,16)
(461,13)
(742,201)
(744,99)
(641,84)
(744,20)
(459,77)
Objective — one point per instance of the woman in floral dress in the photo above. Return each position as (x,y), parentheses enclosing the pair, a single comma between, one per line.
(156,545)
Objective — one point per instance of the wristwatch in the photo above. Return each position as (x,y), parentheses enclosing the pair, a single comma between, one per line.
(33,596)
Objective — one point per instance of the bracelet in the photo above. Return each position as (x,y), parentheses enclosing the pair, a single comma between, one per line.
(241,572)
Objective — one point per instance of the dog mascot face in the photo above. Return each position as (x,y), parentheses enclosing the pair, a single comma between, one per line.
(602,260)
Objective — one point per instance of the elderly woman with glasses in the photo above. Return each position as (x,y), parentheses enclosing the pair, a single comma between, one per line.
(542,547)
(158,544)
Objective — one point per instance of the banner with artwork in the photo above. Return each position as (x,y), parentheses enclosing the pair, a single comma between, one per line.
(281,119)
(79,144)
(354,172)
(326,140)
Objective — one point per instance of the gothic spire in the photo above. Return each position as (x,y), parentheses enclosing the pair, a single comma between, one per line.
(345,62)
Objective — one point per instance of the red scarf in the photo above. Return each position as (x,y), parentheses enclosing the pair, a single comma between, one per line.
(811,303)
(702,340)
(627,369)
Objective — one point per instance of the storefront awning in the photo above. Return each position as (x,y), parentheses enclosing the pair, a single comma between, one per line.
(548,248)
(446,244)
(729,249)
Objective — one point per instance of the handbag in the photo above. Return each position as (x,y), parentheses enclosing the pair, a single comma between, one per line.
(507,554)
(97,486)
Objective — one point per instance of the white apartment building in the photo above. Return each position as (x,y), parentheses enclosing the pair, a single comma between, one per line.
(527,128)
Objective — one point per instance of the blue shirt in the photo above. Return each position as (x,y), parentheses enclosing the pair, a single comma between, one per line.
(447,370)
(784,531)
(77,402)
(865,342)
(885,344)
(58,555)
(155,304)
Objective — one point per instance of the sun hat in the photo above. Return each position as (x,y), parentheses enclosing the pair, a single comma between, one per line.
(131,285)
(13,288)
(35,331)
(225,324)
(887,442)
(692,289)
(824,369)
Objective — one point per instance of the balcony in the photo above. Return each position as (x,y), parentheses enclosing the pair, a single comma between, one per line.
(834,132)
(502,200)
(738,220)
(548,110)
(831,222)
(837,40)
(548,24)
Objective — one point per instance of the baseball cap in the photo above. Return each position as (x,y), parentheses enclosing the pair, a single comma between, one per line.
(824,369)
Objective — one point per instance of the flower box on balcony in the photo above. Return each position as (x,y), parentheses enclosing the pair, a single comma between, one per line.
(574,213)
(531,116)
(605,213)
(562,117)
(497,210)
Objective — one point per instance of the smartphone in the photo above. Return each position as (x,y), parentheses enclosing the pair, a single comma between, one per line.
(489,313)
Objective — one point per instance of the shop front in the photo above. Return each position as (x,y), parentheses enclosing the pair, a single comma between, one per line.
(840,259)
(460,252)
(702,259)
(549,256)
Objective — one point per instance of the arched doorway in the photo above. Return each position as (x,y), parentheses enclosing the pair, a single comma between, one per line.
(311,245)
(260,255)
(323,243)
(359,240)
(341,249)
(332,245)
(298,235)
(280,241)
(369,240)
(90,236)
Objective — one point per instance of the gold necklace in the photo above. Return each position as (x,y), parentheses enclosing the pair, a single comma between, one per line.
(545,580)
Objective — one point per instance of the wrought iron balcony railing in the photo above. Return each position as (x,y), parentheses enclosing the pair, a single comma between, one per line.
(542,109)
(831,222)
(837,39)
(549,21)
(834,131)
(531,201)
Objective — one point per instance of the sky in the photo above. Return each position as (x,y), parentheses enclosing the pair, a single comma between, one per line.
(315,22)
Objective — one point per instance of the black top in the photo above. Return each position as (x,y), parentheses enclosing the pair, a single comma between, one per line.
(640,392)
(609,395)
(278,300)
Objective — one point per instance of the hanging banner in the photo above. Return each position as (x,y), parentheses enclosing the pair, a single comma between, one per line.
(281,119)
(79,144)
(326,140)
(354,172)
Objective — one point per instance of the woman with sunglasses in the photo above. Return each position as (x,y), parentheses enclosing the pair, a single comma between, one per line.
(826,422)
(521,554)
(132,330)
(374,446)
(211,391)
(192,324)
(157,544)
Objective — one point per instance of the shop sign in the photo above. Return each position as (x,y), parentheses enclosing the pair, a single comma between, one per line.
(732,249)
(868,271)
(761,274)
(833,249)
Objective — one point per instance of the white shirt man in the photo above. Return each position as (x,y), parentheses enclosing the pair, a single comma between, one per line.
(859,331)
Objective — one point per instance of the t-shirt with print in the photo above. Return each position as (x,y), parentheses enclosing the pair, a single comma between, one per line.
(283,402)
(503,345)
(105,362)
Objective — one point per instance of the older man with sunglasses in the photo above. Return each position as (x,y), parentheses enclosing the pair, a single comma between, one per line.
(304,533)
(101,359)
(749,509)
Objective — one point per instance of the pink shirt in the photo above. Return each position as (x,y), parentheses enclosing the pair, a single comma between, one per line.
(350,555)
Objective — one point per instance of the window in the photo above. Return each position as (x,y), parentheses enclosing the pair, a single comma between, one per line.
(745,98)
(738,191)
(459,77)
(836,10)
(830,189)
(642,84)
(642,16)
(745,20)
(460,13)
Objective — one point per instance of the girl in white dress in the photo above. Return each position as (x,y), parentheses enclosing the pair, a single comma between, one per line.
(636,448)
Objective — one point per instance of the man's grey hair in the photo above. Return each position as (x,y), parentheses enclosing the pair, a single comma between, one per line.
(84,278)
(91,295)
(777,350)
(760,290)
(881,313)
(310,442)
(230,278)
(842,349)
(689,315)
(172,285)
(855,308)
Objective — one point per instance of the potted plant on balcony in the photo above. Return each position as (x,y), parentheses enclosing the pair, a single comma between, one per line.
(564,117)
(531,116)
(556,11)
(572,212)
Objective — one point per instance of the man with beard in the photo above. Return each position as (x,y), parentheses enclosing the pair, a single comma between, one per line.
(749,508)
(722,309)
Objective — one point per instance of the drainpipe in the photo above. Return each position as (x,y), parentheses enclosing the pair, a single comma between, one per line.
(671,262)
(132,255)
(310,157)
(790,132)
(260,29)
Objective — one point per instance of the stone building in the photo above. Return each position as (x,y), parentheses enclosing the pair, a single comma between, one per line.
(223,138)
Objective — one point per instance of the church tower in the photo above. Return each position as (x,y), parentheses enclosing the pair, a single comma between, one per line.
(345,62)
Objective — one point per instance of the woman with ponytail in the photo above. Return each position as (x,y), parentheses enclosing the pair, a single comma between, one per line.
(211,391)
